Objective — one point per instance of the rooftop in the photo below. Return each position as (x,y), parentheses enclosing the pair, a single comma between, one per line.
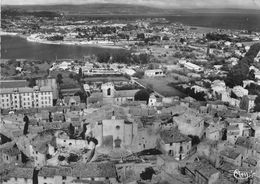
(101,169)
(203,167)
(247,142)
(173,136)
(230,153)
(21,172)
(126,93)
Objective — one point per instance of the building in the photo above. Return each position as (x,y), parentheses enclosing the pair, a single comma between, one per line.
(213,132)
(71,100)
(202,172)
(175,144)
(112,96)
(154,73)
(120,131)
(24,98)
(91,172)
(155,101)
(191,66)
(190,123)
(19,175)
(51,82)
(233,132)
(231,156)
(11,154)
(246,146)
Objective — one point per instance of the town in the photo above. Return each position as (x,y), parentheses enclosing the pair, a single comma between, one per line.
(176,104)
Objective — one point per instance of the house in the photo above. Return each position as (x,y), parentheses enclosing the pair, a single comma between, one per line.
(190,123)
(26,97)
(155,101)
(246,146)
(11,154)
(154,73)
(202,172)
(213,132)
(90,172)
(233,133)
(19,175)
(175,144)
(231,156)
(248,102)
(112,96)
(191,66)
(71,100)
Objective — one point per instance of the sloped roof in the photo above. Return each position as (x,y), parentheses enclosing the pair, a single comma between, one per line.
(126,93)
(22,172)
(246,142)
(173,136)
(100,169)
(230,153)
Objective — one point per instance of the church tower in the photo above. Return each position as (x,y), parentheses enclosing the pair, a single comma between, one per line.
(108,90)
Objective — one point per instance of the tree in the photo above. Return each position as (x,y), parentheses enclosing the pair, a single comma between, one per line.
(71,130)
(251,75)
(257,104)
(80,73)
(26,125)
(103,57)
(194,139)
(142,95)
(32,82)
(147,174)
(59,79)
(139,74)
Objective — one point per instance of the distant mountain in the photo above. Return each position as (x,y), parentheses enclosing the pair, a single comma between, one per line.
(123,9)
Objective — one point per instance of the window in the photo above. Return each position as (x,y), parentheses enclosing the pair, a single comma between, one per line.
(15,179)
(117,127)
(108,91)
(64,177)
(171,144)
(45,177)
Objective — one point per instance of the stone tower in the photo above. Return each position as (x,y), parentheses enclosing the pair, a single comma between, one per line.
(108,90)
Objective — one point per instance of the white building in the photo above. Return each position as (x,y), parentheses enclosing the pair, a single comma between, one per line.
(19,175)
(154,73)
(192,66)
(25,97)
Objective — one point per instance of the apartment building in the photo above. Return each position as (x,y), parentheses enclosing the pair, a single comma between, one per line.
(26,97)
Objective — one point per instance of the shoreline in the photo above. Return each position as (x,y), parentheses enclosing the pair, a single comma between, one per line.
(62,42)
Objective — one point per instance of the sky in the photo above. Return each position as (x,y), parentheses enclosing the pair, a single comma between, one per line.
(243,4)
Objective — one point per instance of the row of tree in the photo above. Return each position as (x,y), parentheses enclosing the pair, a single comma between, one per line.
(241,72)
(123,57)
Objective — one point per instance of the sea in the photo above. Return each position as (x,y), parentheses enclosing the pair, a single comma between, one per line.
(14,47)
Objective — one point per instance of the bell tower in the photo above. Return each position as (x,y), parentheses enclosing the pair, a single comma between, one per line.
(108,90)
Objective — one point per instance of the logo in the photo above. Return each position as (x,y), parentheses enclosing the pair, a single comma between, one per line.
(243,175)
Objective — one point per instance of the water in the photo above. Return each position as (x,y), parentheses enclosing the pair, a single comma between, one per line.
(15,47)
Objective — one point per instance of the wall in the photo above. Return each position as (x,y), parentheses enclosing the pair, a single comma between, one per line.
(18,181)
(47,180)
(73,144)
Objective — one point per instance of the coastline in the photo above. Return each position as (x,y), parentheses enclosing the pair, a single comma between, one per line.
(2,33)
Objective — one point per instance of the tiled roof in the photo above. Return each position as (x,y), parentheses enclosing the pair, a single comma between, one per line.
(173,136)
(230,153)
(246,142)
(126,93)
(89,170)
(47,171)
(203,167)
(101,169)
(22,172)
(12,151)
